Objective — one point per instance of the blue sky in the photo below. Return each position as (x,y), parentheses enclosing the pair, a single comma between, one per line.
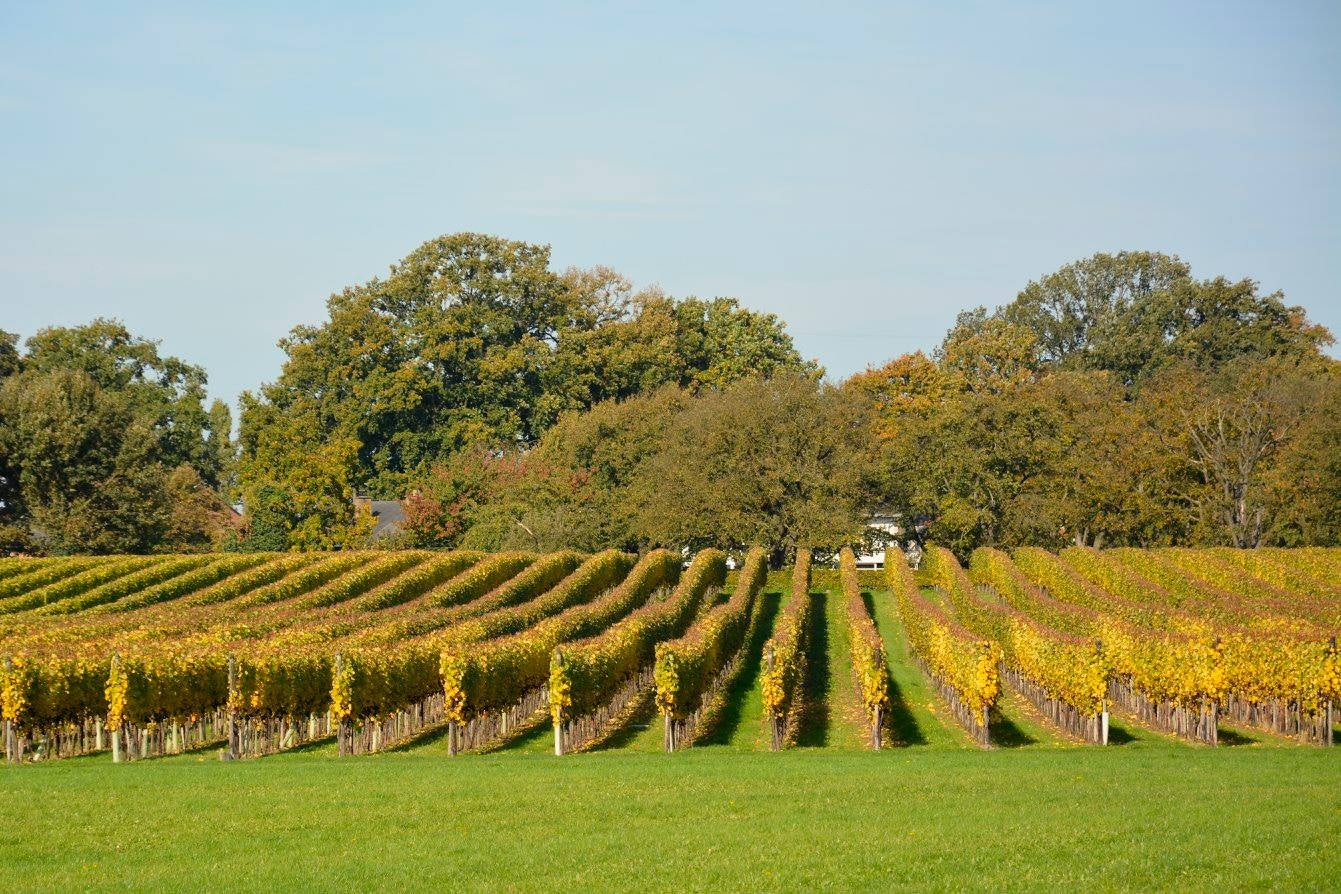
(865,171)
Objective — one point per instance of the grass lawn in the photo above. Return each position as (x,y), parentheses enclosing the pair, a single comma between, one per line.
(711,818)
(932,812)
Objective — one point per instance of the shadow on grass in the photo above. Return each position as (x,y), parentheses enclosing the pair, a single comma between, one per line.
(637,724)
(529,735)
(899,722)
(813,731)
(422,739)
(1233,738)
(1117,733)
(306,747)
(1005,734)
(731,716)
(218,745)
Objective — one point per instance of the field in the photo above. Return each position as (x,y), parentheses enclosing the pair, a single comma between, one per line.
(309,663)
(712,818)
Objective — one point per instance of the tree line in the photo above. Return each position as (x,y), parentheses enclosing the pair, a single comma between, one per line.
(1118,400)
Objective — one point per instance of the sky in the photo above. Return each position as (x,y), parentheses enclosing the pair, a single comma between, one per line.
(211,175)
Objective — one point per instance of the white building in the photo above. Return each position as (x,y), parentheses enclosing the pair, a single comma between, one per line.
(882,533)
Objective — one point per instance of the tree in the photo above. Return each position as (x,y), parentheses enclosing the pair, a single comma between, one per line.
(1082,303)
(94,416)
(221,453)
(14,536)
(767,461)
(660,341)
(1135,313)
(1303,489)
(9,354)
(570,491)
(168,392)
(988,353)
(1109,477)
(474,339)
(1243,420)
(908,385)
(88,472)
(198,518)
(968,465)
(1117,401)
(445,350)
(297,486)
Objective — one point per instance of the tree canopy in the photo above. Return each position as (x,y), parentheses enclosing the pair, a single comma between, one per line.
(470,340)
(758,461)
(1116,401)
(94,423)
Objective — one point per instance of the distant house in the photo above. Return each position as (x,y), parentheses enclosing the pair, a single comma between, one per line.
(388,515)
(882,533)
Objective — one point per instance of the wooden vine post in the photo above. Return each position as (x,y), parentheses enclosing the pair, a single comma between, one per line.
(231,752)
(557,659)
(343,729)
(1103,703)
(10,750)
(1327,719)
(117,756)
(775,722)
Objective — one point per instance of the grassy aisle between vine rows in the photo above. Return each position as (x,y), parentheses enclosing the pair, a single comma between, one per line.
(831,718)
(713,818)
(916,714)
(740,726)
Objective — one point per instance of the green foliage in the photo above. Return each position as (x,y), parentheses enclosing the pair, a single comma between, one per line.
(473,338)
(1134,313)
(198,517)
(166,391)
(774,461)
(10,362)
(1116,401)
(518,611)
(136,582)
(767,461)
(435,573)
(194,581)
(296,484)
(1084,304)
(88,577)
(92,419)
(88,474)
(482,675)
(869,672)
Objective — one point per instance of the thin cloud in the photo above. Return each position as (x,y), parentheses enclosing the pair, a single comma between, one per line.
(588,188)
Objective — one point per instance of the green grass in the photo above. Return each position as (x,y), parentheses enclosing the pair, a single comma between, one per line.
(707,819)
(832,716)
(740,727)
(929,812)
(916,716)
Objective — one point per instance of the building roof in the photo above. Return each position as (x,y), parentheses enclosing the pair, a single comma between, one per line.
(388,515)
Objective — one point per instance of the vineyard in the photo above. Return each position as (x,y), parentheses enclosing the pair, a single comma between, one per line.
(257,654)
